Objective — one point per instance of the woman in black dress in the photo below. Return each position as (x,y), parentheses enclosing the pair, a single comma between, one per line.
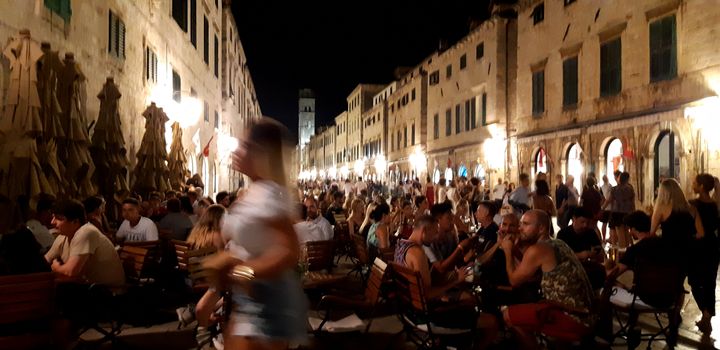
(706,256)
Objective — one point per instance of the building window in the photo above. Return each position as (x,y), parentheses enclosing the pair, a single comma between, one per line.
(538,93)
(568,2)
(206,40)
(538,13)
(180,13)
(177,85)
(448,71)
(412,135)
(479,51)
(206,112)
(458,127)
(215,56)
(217,119)
(398,138)
(61,8)
(151,65)
(392,141)
(434,78)
(448,122)
(483,109)
(663,51)
(405,139)
(193,22)
(570,81)
(467,115)
(412,93)
(116,36)
(436,130)
(610,68)
(463,61)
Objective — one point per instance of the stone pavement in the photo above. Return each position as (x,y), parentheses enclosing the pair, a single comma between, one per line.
(384,333)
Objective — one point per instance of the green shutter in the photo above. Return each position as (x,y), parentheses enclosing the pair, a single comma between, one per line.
(483,107)
(60,7)
(570,81)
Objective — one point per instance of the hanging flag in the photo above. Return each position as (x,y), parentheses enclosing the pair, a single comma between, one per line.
(541,157)
(627,150)
(206,150)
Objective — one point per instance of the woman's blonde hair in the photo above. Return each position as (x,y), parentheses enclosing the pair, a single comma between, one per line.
(208,225)
(670,194)
(355,203)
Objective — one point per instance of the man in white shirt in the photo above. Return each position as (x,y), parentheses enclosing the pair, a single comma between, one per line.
(80,251)
(41,224)
(347,187)
(360,185)
(499,191)
(315,227)
(135,228)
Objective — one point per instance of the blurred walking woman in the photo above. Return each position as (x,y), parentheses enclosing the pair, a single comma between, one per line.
(269,307)
(706,256)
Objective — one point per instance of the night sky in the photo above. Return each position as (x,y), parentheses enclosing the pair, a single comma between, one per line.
(331,46)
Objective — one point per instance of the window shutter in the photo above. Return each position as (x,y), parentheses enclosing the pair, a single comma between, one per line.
(473,113)
(121,39)
(467,115)
(484,109)
(112,34)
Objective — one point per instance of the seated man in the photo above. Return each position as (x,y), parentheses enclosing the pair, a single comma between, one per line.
(564,314)
(41,224)
(315,227)
(485,214)
(177,222)
(135,228)
(335,208)
(649,247)
(80,251)
(581,238)
(410,253)
(445,253)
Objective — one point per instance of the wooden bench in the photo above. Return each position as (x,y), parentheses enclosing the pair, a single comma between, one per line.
(27,300)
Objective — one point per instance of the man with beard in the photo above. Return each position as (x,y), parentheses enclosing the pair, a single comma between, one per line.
(315,227)
(564,313)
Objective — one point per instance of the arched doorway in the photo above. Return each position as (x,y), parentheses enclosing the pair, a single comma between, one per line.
(667,157)
(614,160)
(436,176)
(574,165)
(540,162)
(448,174)
(462,171)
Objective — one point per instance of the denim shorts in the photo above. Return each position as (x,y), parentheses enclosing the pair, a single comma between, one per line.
(274,309)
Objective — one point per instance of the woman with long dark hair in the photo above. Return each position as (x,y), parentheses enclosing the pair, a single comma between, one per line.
(705,254)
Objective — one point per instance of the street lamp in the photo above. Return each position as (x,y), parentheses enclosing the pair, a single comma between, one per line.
(418,161)
(380,164)
(344,171)
(359,167)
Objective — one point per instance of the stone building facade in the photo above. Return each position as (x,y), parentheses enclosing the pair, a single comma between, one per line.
(470,98)
(177,53)
(617,85)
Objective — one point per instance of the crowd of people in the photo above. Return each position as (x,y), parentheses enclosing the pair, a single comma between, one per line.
(533,251)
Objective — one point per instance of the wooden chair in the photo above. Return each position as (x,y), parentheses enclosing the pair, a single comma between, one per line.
(367,303)
(415,314)
(320,255)
(362,259)
(657,289)
(27,302)
(134,263)
(181,250)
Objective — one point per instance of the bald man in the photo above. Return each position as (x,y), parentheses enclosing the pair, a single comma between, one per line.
(564,314)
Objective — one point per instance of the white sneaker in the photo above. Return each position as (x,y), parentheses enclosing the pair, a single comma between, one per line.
(185,315)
